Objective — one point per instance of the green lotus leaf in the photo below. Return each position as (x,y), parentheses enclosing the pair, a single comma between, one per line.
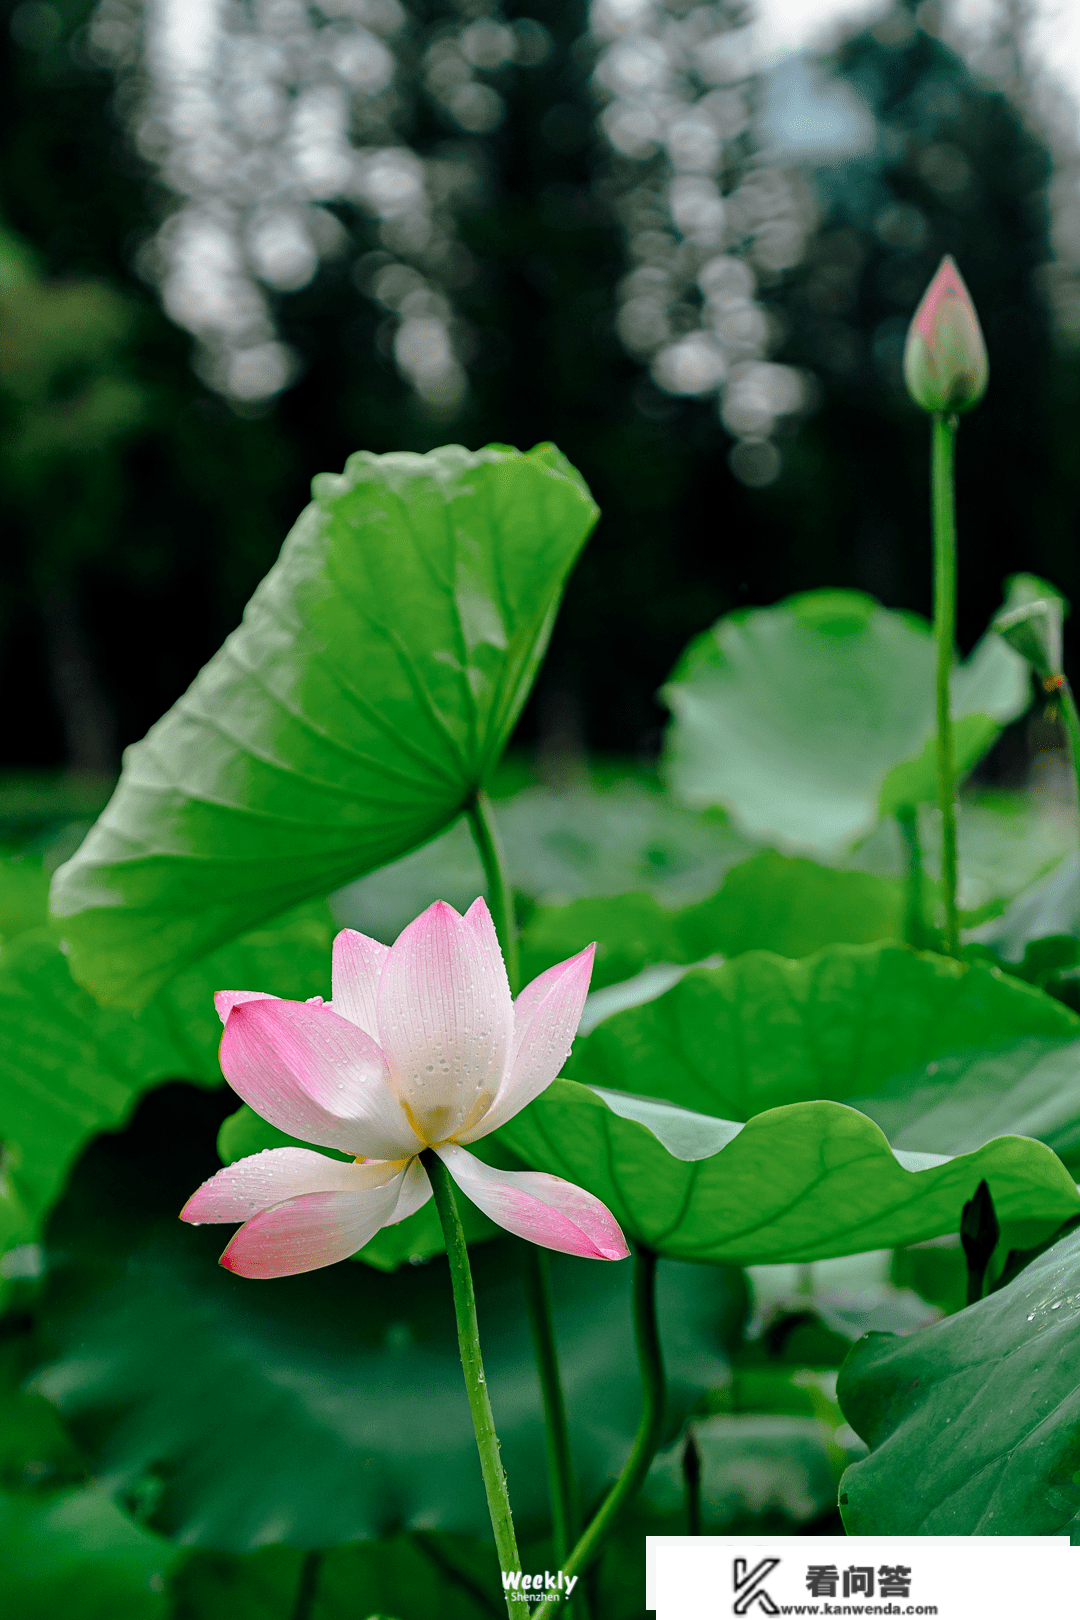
(770,902)
(809,720)
(799,1182)
(329,1407)
(368,693)
(971,1423)
(70,1068)
(772,1110)
(24,895)
(892,1032)
(987,691)
(73,1552)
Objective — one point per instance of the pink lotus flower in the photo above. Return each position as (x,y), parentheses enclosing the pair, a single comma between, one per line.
(421,1047)
(945,363)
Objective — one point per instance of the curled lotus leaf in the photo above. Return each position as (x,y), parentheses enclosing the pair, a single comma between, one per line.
(368,693)
(775,1110)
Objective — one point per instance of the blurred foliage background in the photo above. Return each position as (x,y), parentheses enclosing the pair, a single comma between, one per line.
(241,241)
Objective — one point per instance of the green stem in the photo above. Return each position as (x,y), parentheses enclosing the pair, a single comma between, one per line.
(691,1467)
(305,1590)
(487,1441)
(650,1429)
(563,1490)
(485,831)
(914,933)
(565,1519)
(1070,719)
(943,492)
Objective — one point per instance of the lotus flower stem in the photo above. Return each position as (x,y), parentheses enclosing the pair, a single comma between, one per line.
(944,523)
(565,1518)
(487,1441)
(485,831)
(914,931)
(565,1521)
(650,1428)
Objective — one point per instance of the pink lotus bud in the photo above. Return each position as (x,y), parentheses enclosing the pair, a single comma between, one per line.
(945,364)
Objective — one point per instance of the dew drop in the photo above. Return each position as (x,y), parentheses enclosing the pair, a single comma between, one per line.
(1058,1306)
(1031,1318)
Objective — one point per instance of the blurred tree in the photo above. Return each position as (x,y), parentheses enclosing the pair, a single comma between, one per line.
(955,169)
(66,407)
(138,513)
(562,290)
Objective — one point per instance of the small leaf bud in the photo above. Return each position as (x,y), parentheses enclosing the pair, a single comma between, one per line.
(1031,623)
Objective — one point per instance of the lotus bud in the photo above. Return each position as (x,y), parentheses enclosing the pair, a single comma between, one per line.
(1031,623)
(945,363)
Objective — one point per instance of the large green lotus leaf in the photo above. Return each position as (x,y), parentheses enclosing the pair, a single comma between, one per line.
(793,718)
(820,1057)
(972,1423)
(770,902)
(794,907)
(987,692)
(370,689)
(327,1407)
(417,1237)
(852,1023)
(74,1553)
(70,1068)
(805,1181)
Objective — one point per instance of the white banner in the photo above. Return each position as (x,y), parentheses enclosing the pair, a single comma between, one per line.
(953,1577)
